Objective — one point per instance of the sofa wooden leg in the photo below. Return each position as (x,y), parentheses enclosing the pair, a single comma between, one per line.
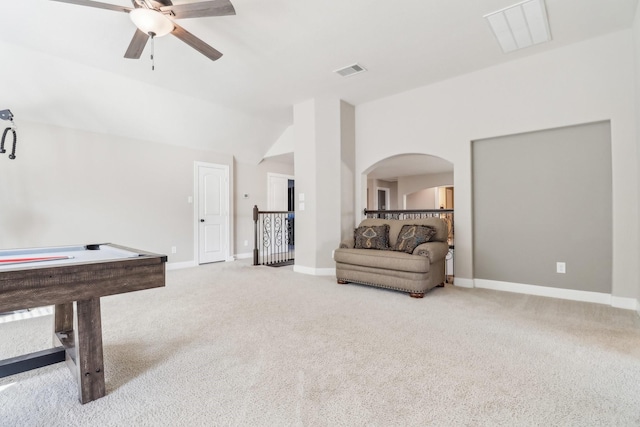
(416,294)
(342,282)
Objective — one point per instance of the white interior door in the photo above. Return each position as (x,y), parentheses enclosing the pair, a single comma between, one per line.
(278,192)
(213,213)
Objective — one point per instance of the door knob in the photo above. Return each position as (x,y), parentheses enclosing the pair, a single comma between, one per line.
(202,220)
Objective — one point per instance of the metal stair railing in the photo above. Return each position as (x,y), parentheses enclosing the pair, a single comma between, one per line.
(273,237)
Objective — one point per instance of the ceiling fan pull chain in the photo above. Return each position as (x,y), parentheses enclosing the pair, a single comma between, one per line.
(153,63)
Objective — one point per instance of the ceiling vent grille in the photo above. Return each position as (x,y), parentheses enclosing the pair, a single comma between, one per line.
(522,25)
(351,70)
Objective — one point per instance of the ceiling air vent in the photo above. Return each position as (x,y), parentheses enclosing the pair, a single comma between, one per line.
(522,25)
(351,70)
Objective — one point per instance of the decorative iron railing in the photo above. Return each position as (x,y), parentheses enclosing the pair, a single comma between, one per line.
(445,214)
(273,237)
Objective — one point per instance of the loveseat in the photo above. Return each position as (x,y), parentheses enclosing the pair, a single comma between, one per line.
(390,254)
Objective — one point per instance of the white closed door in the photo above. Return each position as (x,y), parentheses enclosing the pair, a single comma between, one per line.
(278,192)
(213,213)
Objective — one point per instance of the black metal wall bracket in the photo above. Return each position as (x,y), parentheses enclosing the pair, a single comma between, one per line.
(7,115)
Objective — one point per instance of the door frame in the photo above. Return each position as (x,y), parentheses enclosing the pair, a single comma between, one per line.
(387,198)
(196,209)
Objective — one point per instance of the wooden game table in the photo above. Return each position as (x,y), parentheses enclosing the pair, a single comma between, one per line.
(73,278)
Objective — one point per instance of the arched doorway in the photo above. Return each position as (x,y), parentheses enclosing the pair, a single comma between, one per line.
(400,176)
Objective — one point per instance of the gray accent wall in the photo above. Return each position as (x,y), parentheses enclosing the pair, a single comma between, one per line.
(540,198)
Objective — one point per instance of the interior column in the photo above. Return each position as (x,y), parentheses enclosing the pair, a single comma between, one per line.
(324,159)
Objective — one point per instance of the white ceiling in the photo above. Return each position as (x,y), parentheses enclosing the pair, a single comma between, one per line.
(63,64)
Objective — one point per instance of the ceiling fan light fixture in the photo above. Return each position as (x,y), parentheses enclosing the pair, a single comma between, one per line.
(151,21)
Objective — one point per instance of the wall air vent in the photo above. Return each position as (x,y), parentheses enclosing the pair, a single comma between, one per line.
(522,25)
(351,70)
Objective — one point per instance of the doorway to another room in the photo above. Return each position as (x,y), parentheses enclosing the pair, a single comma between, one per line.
(274,240)
(384,198)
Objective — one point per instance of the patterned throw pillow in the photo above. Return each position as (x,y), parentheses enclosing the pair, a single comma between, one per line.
(413,235)
(372,237)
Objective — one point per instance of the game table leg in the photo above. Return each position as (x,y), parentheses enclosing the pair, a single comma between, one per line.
(81,336)
(63,318)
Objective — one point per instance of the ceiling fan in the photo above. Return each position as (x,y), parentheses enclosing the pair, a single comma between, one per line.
(155,18)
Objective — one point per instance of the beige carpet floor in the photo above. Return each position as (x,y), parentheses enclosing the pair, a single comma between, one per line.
(235,345)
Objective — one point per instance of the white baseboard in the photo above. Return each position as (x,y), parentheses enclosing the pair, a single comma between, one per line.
(544,291)
(569,294)
(246,255)
(314,271)
(626,303)
(463,283)
(189,264)
(179,265)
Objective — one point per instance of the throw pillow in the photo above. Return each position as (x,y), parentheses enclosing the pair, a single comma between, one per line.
(413,235)
(372,237)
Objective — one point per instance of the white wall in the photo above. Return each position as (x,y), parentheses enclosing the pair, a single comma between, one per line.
(283,145)
(75,187)
(636,34)
(347,171)
(422,199)
(582,83)
(413,183)
(306,181)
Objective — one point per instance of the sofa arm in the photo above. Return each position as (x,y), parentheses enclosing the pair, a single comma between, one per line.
(435,251)
(347,244)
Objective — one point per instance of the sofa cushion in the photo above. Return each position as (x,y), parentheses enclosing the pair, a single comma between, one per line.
(372,237)
(395,225)
(383,260)
(411,236)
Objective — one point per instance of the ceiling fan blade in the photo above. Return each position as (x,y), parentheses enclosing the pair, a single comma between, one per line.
(195,43)
(138,42)
(202,9)
(97,4)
